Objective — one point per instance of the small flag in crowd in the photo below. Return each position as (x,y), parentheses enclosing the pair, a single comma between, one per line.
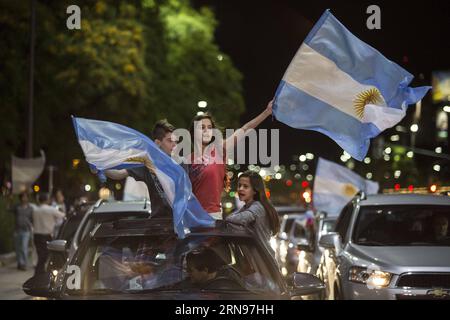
(335,186)
(342,87)
(25,172)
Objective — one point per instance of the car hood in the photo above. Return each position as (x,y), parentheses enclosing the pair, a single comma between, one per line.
(410,258)
(180,295)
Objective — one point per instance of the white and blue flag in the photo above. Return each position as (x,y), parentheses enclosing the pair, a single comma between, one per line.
(108,145)
(335,185)
(342,87)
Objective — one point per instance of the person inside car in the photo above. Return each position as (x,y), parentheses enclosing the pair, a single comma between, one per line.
(206,270)
(439,224)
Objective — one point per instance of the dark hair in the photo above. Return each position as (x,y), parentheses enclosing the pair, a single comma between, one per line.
(22,195)
(43,197)
(439,218)
(257,184)
(161,128)
(206,115)
(204,258)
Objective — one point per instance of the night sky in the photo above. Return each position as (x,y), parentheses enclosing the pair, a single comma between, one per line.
(261,37)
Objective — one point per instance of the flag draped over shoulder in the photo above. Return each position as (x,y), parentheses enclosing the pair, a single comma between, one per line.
(335,186)
(342,87)
(108,145)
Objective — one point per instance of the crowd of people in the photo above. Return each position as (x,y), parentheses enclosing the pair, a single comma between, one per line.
(35,224)
(208,177)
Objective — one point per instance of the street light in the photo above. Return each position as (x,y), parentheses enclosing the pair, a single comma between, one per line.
(414,128)
(29,143)
(309,156)
(202,104)
(447,108)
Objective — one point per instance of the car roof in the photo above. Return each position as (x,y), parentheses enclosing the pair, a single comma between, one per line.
(289,209)
(405,199)
(122,206)
(294,216)
(158,226)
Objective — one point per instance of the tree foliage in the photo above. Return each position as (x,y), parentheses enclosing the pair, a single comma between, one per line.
(132,62)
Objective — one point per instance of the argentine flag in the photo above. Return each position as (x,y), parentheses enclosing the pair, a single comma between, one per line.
(108,145)
(340,86)
(335,185)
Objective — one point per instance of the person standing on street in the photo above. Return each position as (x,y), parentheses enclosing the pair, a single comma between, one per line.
(23,213)
(44,220)
(60,204)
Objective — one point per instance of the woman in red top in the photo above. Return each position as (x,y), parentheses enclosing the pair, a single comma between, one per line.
(207,170)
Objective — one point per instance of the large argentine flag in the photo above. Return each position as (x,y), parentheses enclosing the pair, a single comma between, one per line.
(108,145)
(335,186)
(340,86)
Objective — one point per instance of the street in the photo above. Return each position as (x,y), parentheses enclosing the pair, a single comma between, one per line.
(218,150)
(11,281)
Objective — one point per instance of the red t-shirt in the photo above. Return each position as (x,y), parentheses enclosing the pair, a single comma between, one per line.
(207,180)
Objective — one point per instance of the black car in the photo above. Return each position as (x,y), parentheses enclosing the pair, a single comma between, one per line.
(66,233)
(143,259)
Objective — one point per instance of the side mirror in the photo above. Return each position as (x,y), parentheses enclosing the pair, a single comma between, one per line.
(39,286)
(331,240)
(306,284)
(304,245)
(57,246)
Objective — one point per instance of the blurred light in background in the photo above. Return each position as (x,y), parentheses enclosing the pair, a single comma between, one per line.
(104,193)
(202,104)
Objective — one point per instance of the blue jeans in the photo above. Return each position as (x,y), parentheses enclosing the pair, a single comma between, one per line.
(22,239)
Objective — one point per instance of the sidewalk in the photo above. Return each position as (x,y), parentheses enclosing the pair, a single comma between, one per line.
(11,279)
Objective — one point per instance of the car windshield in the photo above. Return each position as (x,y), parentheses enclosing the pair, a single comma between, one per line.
(144,264)
(406,225)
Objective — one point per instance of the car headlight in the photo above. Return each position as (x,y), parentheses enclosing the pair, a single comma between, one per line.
(375,278)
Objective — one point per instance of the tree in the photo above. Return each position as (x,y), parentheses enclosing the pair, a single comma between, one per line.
(132,62)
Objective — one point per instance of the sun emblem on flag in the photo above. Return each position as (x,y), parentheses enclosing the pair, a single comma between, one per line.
(135,159)
(146,161)
(349,190)
(369,96)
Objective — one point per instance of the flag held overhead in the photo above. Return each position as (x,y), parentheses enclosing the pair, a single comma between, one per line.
(342,87)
